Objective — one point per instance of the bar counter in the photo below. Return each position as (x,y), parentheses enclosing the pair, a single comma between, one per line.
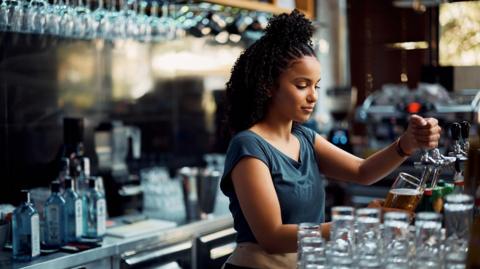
(109,255)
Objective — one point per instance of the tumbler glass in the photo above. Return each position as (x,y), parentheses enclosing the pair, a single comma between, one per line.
(312,251)
(405,193)
(458,219)
(306,229)
(368,248)
(340,250)
(396,240)
(428,241)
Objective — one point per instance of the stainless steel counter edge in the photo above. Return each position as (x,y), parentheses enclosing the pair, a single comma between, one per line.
(116,246)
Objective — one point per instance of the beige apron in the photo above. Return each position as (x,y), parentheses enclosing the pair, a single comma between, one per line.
(252,255)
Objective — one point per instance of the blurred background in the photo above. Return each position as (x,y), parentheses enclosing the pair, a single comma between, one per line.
(161,67)
(140,85)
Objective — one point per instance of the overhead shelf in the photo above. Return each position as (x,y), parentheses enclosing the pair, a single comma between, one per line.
(262,6)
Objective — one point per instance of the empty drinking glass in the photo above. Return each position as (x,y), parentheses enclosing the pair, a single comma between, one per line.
(428,236)
(306,229)
(368,247)
(396,240)
(312,249)
(458,219)
(340,248)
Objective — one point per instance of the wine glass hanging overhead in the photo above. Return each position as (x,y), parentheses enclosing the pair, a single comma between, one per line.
(139,20)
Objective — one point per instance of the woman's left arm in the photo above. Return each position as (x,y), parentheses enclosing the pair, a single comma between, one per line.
(341,165)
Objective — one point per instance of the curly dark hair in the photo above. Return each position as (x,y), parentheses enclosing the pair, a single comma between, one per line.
(256,71)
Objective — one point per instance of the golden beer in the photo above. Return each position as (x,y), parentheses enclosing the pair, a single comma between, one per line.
(402,198)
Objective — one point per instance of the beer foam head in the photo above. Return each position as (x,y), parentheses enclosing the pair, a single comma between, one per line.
(403,191)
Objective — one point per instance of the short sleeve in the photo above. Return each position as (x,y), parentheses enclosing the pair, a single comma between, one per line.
(308,133)
(242,145)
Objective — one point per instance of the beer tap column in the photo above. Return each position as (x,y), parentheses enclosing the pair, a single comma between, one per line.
(433,162)
(455,130)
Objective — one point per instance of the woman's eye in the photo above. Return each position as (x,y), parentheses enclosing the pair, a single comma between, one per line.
(301,86)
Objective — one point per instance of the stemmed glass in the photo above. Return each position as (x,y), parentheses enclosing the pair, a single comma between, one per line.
(130,14)
(66,20)
(4,15)
(37,16)
(52,26)
(143,23)
(83,23)
(16,15)
(101,22)
(167,22)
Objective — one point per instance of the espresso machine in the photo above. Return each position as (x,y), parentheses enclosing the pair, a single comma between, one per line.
(117,146)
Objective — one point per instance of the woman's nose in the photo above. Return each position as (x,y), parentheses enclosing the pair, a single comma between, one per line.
(312,96)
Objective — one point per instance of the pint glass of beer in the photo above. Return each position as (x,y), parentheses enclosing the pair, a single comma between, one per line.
(405,193)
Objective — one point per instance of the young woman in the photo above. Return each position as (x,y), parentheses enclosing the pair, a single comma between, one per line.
(275,168)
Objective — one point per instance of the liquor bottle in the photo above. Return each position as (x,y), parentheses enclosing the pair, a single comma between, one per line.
(95,210)
(73,149)
(64,172)
(26,234)
(82,175)
(55,218)
(73,211)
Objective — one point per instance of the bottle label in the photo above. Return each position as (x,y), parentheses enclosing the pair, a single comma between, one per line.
(34,222)
(53,224)
(101,217)
(78,218)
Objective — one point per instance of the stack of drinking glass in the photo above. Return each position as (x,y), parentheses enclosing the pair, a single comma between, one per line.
(360,239)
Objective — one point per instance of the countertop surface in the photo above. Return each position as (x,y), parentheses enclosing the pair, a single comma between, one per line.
(114,246)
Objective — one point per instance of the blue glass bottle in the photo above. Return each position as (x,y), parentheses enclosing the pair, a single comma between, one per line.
(26,235)
(55,218)
(82,168)
(95,211)
(64,172)
(73,211)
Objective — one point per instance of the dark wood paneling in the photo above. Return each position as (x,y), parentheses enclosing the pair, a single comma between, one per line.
(373,24)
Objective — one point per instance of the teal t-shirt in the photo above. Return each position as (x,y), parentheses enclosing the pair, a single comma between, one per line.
(299,184)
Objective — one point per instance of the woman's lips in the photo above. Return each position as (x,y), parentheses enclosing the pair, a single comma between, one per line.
(308,109)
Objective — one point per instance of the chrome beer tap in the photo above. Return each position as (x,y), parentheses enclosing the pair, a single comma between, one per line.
(457,130)
(433,163)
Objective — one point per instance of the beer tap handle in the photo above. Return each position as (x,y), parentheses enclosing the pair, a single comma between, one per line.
(465,129)
(465,134)
(455,131)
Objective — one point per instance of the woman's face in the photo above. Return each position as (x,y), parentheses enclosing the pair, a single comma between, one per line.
(296,94)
